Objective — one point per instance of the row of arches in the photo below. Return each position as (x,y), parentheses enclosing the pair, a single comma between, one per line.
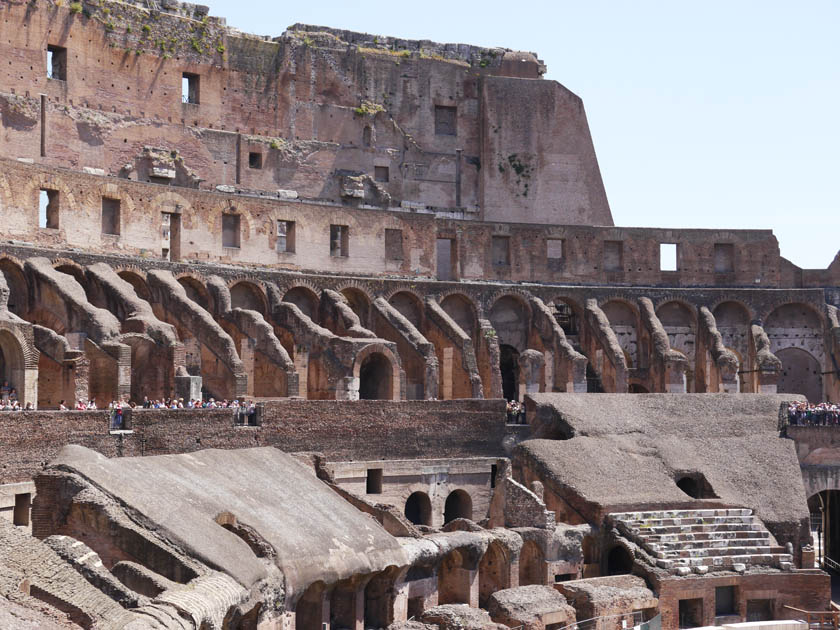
(418,507)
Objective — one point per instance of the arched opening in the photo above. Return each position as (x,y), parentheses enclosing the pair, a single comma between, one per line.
(247,296)
(461,310)
(509,367)
(305,299)
(138,284)
(531,564)
(376,378)
(696,486)
(359,303)
(493,572)
(824,508)
(418,509)
(619,561)
(623,321)
(309,610)
(18,289)
(73,270)
(343,604)
(197,292)
(458,505)
(12,366)
(367,133)
(409,307)
(801,374)
(509,317)
(379,599)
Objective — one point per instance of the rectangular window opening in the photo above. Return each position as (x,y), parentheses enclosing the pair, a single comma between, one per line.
(446,258)
(691,613)
(613,255)
(110,216)
(57,63)
(726,603)
(446,120)
(23,502)
(494,469)
(667,256)
(724,257)
(339,240)
(501,251)
(381,174)
(255,160)
(48,209)
(190,88)
(230,230)
(374,481)
(286,237)
(393,244)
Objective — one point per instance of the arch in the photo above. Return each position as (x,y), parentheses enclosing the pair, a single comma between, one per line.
(197,292)
(379,598)
(619,561)
(72,269)
(247,295)
(731,313)
(676,313)
(18,286)
(531,564)
(801,374)
(138,282)
(418,508)
(13,363)
(409,305)
(509,368)
(824,507)
(309,608)
(509,316)
(795,315)
(624,318)
(376,378)
(305,299)
(568,314)
(493,572)
(458,505)
(462,310)
(689,486)
(359,303)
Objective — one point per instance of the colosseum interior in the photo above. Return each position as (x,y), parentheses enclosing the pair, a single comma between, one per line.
(192,213)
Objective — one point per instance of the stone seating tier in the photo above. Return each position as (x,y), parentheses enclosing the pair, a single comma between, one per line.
(699,541)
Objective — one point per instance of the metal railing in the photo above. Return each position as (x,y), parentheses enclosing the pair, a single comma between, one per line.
(832,564)
(820,619)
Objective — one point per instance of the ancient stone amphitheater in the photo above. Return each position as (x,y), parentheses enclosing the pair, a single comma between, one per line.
(372,244)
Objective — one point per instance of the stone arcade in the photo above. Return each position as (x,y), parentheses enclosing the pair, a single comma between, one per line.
(377,240)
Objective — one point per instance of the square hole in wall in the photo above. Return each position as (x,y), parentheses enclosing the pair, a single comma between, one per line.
(230,230)
(381,174)
(255,160)
(373,483)
(393,244)
(724,257)
(339,240)
(57,63)
(500,248)
(48,208)
(446,258)
(286,236)
(190,91)
(23,503)
(667,256)
(110,216)
(613,255)
(691,613)
(446,120)
(726,602)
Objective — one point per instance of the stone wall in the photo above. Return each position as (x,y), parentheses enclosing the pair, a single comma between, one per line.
(340,430)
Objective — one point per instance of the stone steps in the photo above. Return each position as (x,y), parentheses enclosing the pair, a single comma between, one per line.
(686,541)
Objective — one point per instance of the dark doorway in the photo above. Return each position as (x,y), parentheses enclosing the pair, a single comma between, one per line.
(509,367)
(375,378)
(458,505)
(418,509)
(619,561)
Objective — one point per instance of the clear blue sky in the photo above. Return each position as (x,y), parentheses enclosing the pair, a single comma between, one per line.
(713,114)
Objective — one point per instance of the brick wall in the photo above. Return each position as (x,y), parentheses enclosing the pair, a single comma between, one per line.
(360,430)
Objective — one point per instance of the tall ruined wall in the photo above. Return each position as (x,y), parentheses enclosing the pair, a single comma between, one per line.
(354,430)
(328,114)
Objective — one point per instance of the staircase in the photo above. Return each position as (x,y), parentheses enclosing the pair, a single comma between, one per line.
(698,541)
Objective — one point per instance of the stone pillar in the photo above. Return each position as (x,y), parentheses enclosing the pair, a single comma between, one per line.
(301,361)
(188,387)
(548,380)
(446,373)
(401,590)
(675,377)
(246,354)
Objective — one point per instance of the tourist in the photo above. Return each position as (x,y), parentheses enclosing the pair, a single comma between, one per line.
(61,405)
(806,414)
(4,390)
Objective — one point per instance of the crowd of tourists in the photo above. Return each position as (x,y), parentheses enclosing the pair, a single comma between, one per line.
(802,413)
(515,412)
